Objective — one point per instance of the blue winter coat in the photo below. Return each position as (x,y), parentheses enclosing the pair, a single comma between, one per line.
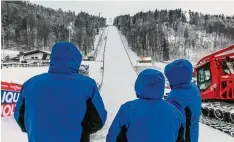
(185,96)
(149,118)
(61,105)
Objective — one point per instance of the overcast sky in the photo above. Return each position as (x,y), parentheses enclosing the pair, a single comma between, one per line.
(111,9)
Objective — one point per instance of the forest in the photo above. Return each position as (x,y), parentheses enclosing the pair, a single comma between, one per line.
(27,26)
(170,34)
(161,34)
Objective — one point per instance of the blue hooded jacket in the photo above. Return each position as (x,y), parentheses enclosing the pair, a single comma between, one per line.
(149,118)
(61,105)
(185,96)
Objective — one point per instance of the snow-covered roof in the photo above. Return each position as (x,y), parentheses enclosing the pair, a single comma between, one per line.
(35,51)
(10,53)
(91,53)
(146,58)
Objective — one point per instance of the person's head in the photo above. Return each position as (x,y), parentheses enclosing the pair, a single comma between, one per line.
(150,84)
(179,72)
(65,58)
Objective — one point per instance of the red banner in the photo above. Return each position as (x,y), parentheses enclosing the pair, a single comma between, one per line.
(9,95)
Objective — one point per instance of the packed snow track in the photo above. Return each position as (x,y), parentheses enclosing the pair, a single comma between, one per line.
(118,80)
(117,88)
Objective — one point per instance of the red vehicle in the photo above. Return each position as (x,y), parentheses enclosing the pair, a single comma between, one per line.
(215,79)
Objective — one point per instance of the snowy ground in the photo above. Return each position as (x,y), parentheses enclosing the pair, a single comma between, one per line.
(10,130)
(97,41)
(118,87)
(10,53)
(118,81)
(101,46)
(124,78)
(20,74)
(14,53)
(133,57)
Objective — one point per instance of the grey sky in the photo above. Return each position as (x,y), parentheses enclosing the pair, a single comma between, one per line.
(111,9)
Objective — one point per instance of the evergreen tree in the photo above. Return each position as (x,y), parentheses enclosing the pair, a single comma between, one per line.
(27,26)
(165,50)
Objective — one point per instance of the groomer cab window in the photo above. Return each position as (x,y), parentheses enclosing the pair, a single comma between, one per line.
(204,77)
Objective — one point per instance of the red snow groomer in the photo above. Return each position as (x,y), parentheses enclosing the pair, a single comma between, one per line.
(215,79)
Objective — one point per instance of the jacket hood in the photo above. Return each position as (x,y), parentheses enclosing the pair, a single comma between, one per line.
(179,72)
(65,58)
(150,84)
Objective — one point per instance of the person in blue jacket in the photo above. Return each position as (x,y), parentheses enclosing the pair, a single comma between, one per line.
(148,118)
(185,96)
(61,105)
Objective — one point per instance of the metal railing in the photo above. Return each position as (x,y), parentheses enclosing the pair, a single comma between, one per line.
(24,65)
(129,58)
(103,62)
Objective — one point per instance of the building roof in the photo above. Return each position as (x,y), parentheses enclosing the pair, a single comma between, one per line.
(34,51)
(15,58)
(146,58)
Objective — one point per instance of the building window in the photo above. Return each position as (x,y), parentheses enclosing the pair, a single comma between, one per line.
(32,58)
(36,58)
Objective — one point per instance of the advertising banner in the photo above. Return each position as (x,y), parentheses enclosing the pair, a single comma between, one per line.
(9,95)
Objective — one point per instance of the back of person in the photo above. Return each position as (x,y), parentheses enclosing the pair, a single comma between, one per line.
(148,118)
(153,121)
(60,105)
(185,96)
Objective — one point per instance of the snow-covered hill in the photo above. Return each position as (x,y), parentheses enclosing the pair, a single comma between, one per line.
(172,34)
(123,77)
(118,87)
(10,53)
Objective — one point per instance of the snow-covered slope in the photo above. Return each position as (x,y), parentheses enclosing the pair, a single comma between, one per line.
(101,46)
(20,74)
(118,81)
(10,130)
(208,134)
(118,84)
(118,87)
(133,56)
(10,53)
(97,41)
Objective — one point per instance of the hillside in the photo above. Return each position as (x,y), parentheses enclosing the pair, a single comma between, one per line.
(27,26)
(171,34)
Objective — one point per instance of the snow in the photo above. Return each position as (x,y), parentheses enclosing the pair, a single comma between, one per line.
(98,40)
(10,53)
(113,96)
(11,131)
(133,56)
(101,46)
(118,88)
(14,53)
(124,78)
(208,134)
(119,79)
(20,75)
